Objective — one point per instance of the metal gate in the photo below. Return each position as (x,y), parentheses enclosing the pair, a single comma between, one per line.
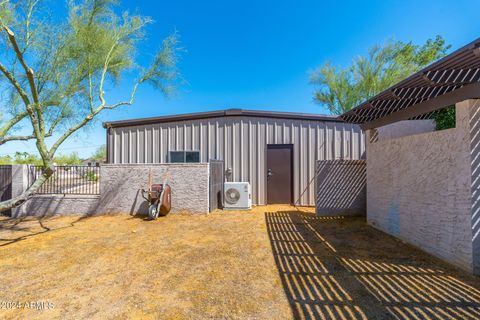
(5,186)
(217,179)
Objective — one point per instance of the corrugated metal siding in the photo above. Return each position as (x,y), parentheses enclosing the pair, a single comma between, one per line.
(241,142)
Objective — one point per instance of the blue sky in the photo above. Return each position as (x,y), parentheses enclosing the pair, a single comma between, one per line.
(258,54)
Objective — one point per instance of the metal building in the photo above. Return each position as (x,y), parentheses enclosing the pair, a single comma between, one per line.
(275,151)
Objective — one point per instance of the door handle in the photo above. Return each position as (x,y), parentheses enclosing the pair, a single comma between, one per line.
(269,173)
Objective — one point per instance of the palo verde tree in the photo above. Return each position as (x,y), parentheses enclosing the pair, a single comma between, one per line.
(55,72)
(341,89)
(100,154)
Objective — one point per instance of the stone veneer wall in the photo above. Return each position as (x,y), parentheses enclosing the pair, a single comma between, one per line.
(58,204)
(120,187)
(419,190)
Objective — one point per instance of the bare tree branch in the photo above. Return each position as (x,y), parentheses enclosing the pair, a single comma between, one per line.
(15,84)
(36,116)
(30,76)
(54,125)
(12,122)
(104,73)
(90,116)
(72,130)
(16,48)
(16,138)
(90,89)
(126,103)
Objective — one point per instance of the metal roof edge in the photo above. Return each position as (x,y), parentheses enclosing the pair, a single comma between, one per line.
(221,113)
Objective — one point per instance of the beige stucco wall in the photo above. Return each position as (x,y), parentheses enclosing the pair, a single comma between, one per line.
(419,189)
(19,184)
(405,128)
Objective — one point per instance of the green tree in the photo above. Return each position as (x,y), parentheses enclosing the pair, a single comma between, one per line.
(341,89)
(29,158)
(445,118)
(100,154)
(25,158)
(67,159)
(55,75)
(20,158)
(6,159)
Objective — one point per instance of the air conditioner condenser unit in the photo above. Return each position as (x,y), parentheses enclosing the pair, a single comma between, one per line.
(238,196)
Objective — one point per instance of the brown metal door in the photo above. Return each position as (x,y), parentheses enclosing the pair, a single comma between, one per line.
(279,173)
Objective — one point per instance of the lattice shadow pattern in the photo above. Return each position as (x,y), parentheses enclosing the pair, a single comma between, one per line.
(323,281)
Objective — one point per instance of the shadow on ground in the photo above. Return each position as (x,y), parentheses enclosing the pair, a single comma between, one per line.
(27,227)
(340,268)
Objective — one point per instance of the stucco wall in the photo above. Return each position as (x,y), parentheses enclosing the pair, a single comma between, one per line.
(120,187)
(473,106)
(405,128)
(419,189)
(340,186)
(19,183)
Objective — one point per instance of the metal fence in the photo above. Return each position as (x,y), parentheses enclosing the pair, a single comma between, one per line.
(68,180)
(217,180)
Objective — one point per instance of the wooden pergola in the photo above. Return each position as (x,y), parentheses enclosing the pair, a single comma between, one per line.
(451,79)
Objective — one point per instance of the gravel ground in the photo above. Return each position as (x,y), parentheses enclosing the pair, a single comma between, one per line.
(273,262)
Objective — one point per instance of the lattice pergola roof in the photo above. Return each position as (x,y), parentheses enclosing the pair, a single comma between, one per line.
(451,79)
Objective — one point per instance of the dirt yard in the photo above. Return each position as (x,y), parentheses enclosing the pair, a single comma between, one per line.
(270,263)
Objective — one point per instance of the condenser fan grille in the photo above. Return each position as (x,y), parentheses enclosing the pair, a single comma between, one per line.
(232,196)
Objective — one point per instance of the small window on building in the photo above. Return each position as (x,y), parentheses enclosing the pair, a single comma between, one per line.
(177,156)
(192,156)
(184,156)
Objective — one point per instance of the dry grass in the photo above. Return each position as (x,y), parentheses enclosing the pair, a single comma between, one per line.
(176,267)
(270,263)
